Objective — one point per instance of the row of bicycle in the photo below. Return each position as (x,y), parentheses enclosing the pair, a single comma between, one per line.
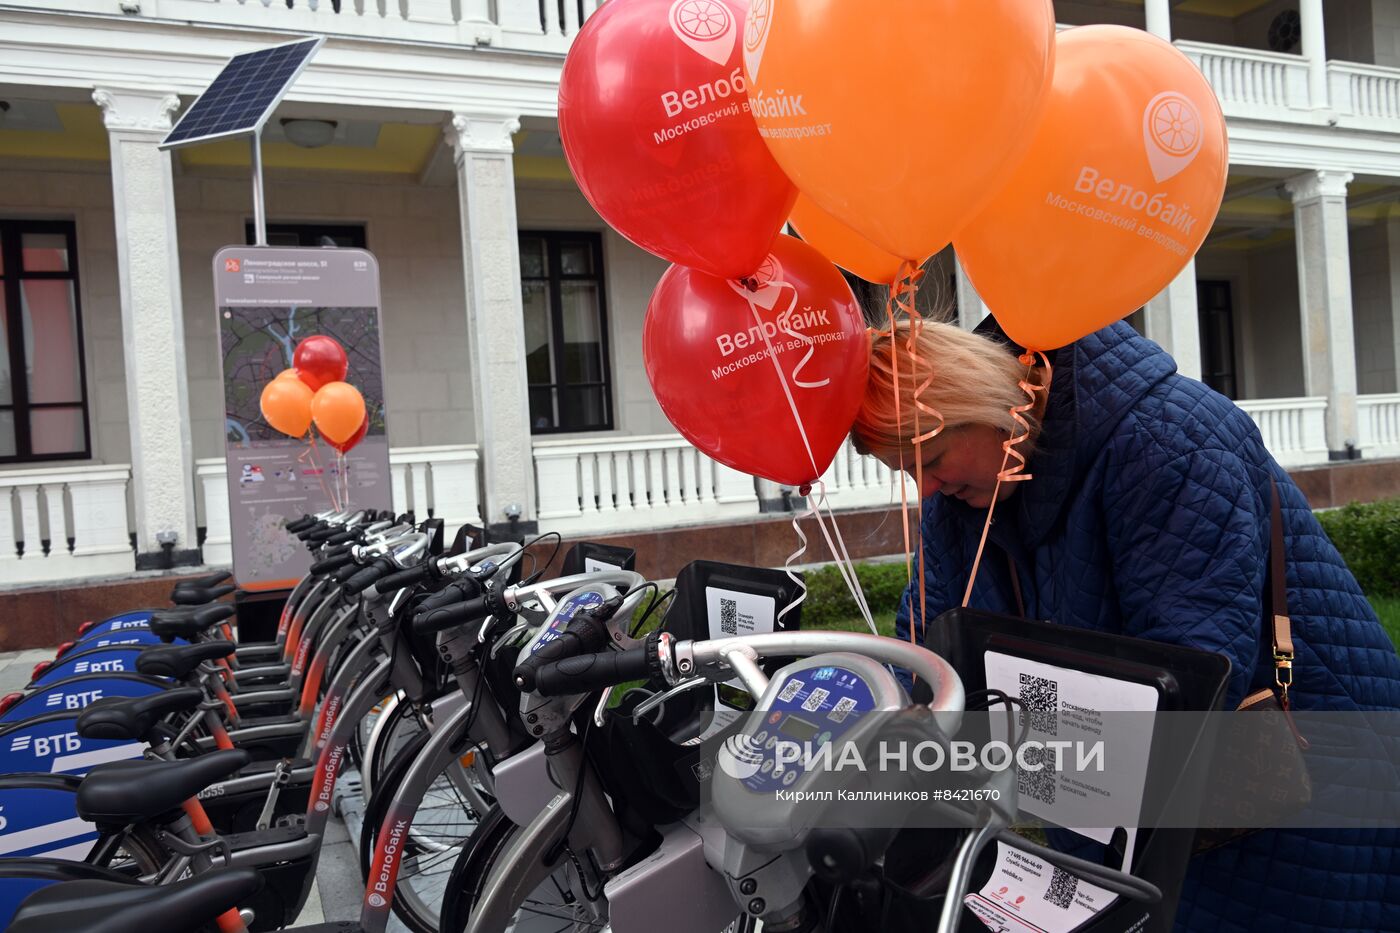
(157,775)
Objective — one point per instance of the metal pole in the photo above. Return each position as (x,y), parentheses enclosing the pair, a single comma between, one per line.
(259,203)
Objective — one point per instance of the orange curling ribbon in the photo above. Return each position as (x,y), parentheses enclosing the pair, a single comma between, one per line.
(1015,472)
(905,295)
(309,455)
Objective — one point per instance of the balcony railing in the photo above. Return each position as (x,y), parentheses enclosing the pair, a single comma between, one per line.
(533,25)
(1378,418)
(1367,92)
(1251,83)
(441,482)
(62,523)
(854,481)
(1294,429)
(635,482)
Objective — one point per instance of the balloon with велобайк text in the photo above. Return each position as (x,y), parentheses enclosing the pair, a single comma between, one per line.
(764,375)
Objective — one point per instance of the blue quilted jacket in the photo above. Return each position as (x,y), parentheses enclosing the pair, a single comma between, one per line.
(1148,516)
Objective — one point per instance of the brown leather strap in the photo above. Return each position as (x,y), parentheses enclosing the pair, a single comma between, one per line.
(1016,585)
(1280,632)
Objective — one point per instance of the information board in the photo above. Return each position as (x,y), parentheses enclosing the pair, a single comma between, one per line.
(268,300)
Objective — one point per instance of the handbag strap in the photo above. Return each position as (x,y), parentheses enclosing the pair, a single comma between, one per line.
(1279,626)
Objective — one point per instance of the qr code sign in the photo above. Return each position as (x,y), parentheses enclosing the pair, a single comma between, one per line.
(728,616)
(1062,888)
(1040,701)
(1038,784)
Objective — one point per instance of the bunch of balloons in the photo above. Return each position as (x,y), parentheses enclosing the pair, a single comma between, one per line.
(1075,174)
(314,391)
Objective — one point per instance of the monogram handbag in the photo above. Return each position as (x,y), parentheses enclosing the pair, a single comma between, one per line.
(1259,773)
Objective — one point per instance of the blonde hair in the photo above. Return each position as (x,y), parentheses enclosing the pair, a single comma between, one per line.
(972,380)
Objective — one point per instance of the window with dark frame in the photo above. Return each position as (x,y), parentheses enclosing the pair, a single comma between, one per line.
(346,235)
(566,332)
(43,381)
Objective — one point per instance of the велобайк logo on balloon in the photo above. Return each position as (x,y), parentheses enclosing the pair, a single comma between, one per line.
(706,26)
(1171,130)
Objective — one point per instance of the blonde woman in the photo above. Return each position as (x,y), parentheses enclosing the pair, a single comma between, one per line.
(1148,516)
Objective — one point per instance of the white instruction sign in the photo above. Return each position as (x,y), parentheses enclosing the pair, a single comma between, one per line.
(734,613)
(1063,705)
(1028,895)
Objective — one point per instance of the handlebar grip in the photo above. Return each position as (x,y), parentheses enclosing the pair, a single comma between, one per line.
(305,523)
(402,578)
(333,562)
(588,672)
(357,582)
(452,593)
(584,635)
(345,537)
(321,534)
(446,617)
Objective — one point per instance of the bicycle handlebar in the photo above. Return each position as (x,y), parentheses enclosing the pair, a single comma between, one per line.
(586,673)
(451,616)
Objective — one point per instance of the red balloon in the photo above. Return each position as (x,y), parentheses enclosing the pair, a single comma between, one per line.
(657,129)
(350,442)
(706,344)
(319,360)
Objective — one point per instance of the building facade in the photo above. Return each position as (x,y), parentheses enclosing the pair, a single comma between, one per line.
(512,314)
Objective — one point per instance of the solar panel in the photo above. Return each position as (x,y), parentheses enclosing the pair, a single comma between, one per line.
(244,94)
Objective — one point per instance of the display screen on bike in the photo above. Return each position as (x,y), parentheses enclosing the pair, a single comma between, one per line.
(799,729)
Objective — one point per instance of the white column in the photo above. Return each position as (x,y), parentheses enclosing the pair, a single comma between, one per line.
(153,331)
(1315,51)
(1159,18)
(971,310)
(1172,319)
(1392,240)
(483,149)
(1324,293)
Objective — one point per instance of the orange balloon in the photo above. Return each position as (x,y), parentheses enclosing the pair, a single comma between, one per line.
(1120,186)
(286,405)
(338,409)
(841,244)
(287,374)
(899,118)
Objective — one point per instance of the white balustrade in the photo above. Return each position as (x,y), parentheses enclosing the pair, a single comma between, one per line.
(211,498)
(1252,83)
(632,483)
(1378,418)
(531,25)
(1369,93)
(58,523)
(442,482)
(854,481)
(1294,429)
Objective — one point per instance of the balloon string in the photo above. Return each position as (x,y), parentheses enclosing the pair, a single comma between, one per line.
(792,558)
(310,454)
(847,573)
(838,550)
(786,324)
(1015,473)
(904,295)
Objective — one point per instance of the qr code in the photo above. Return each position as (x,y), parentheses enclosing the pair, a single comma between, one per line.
(1038,784)
(1063,885)
(1040,701)
(729,616)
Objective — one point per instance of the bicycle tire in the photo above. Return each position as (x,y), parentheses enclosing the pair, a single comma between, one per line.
(429,844)
(394,723)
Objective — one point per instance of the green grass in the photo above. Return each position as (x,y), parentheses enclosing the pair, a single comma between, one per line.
(1388,608)
(884,621)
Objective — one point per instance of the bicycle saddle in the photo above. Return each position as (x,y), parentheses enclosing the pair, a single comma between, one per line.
(188,622)
(184,595)
(132,719)
(125,792)
(113,907)
(179,661)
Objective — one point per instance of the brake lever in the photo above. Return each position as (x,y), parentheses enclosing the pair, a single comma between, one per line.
(505,638)
(657,700)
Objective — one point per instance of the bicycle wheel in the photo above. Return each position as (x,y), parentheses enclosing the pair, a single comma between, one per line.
(550,908)
(445,818)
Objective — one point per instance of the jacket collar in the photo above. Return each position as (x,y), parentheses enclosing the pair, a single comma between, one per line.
(1097,380)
